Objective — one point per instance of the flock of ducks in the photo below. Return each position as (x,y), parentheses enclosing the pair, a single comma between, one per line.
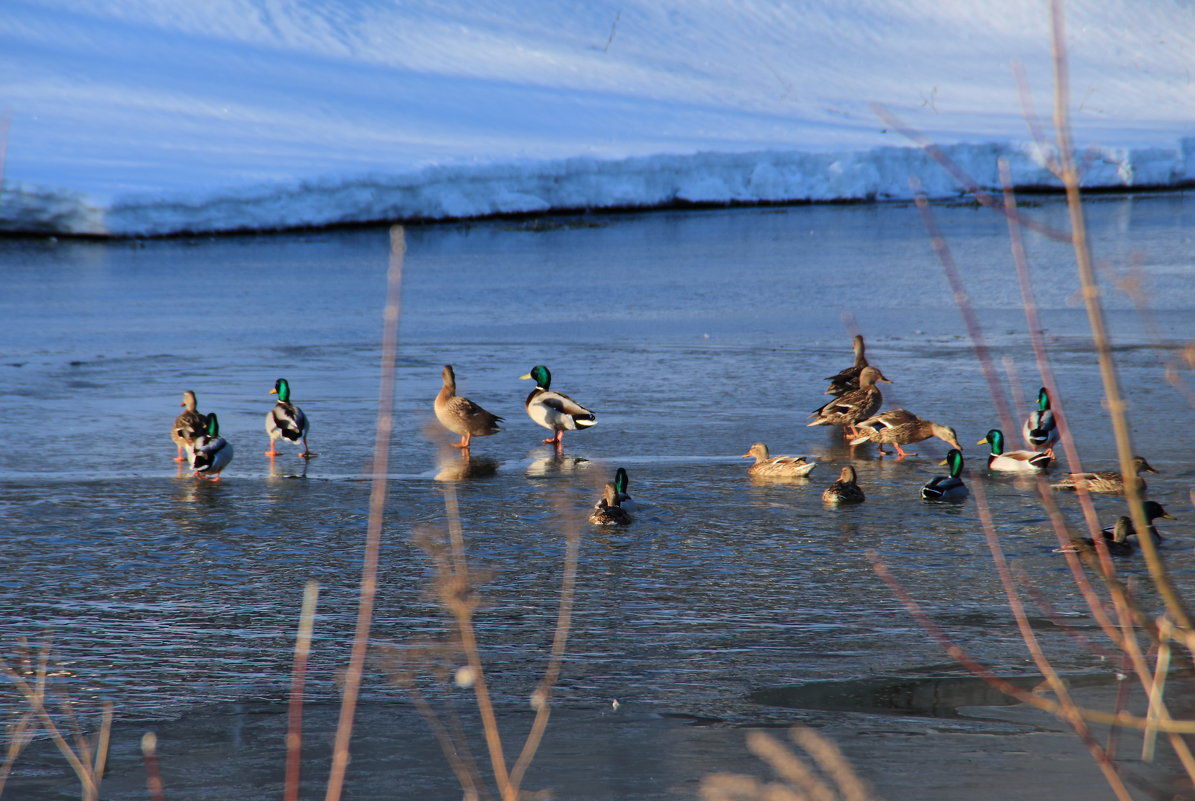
(201,446)
(855,408)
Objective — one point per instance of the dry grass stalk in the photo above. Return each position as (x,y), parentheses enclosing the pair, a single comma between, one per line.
(294,726)
(153,775)
(1095,317)
(1068,707)
(1127,620)
(828,776)
(455,587)
(86,758)
(377,501)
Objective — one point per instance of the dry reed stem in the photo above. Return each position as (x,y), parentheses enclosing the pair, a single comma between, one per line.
(969,185)
(1041,357)
(103,740)
(19,735)
(294,724)
(34,696)
(802,780)
(961,299)
(832,762)
(960,655)
(153,776)
(1131,286)
(1069,709)
(461,608)
(801,777)
(1033,122)
(1095,318)
(377,502)
(543,693)
(455,749)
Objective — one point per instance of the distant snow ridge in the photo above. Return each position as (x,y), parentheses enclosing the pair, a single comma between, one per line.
(461,192)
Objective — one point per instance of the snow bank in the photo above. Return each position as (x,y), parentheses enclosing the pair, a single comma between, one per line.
(146,117)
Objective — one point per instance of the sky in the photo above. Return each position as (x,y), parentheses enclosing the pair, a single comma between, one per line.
(150,117)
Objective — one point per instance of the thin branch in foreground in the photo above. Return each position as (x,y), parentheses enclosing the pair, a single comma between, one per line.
(153,775)
(963,301)
(1069,709)
(1095,318)
(294,726)
(377,502)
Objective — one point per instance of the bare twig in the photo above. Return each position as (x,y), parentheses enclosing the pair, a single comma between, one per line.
(1095,318)
(377,501)
(294,726)
(153,775)
(542,698)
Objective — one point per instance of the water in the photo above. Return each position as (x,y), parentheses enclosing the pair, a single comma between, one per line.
(725,605)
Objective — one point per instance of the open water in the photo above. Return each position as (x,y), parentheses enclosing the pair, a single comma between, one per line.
(727,605)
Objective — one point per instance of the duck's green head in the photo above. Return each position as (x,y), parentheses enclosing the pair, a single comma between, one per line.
(282,390)
(996,439)
(1043,400)
(954,458)
(1153,510)
(541,376)
(620,480)
(213,425)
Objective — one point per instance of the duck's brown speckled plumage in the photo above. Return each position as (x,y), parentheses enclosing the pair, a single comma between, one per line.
(773,467)
(461,415)
(854,406)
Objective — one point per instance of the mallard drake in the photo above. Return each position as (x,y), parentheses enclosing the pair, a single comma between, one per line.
(555,411)
(607,512)
(461,415)
(1041,429)
(898,427)
(947,488)
(210,453)
(621,482)
(187,426)
(286,421)
(845,489)
(853,406)
(1105,481)
(1152,511)
(1013,461)
(848,380)
(776,466)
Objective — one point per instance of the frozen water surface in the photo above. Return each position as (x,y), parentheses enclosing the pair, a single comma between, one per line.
(691,335)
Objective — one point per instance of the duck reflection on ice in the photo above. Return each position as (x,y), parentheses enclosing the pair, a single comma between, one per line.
(556,464)
(463,466)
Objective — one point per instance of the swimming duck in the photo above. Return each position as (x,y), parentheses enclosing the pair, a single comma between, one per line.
(607,512)
(845,489)
(1105,481)
(898,427)
(1152,511)
(1013,461)
(210,453)
(1115,539)
(621,482)
(1041,429)
(286,421)
(852,407)
(776,466)
(461,415)
(848,380)
(947,488)
(555,411)
(187,426)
